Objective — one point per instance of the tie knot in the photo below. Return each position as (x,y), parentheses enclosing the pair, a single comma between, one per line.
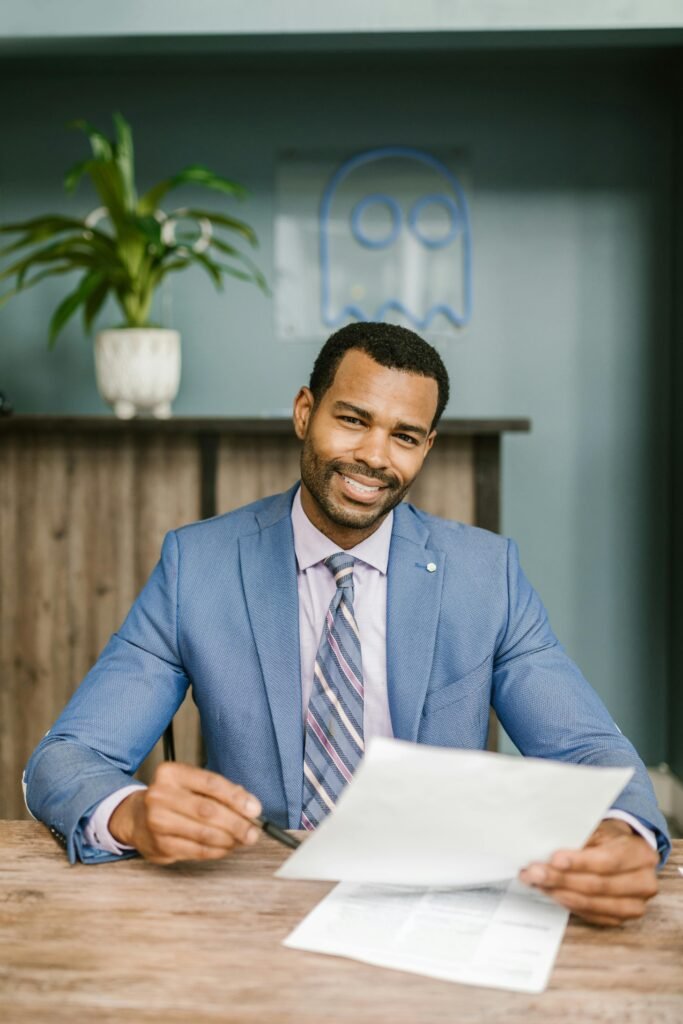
(341,566)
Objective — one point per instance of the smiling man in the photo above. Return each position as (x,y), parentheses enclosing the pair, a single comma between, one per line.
(309,622)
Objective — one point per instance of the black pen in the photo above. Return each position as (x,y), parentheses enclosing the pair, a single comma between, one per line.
(277,833)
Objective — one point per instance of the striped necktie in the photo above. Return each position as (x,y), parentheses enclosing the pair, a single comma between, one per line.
(334,721)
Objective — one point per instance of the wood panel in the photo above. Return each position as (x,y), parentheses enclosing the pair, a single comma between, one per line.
(83,511)
(81,523)
(446,485)
(252,469)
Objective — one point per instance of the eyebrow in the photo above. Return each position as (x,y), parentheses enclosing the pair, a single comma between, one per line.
(409,428)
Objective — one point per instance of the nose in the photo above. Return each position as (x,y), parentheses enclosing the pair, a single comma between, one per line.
(373,449)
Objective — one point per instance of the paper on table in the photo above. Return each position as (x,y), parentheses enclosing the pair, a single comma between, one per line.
(419,815)
(502,936)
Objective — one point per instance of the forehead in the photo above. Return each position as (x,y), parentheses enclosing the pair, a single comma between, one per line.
(404,396)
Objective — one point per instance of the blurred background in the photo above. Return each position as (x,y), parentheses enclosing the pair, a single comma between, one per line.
(568,123)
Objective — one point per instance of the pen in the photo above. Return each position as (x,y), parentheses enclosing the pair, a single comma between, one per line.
(277,833)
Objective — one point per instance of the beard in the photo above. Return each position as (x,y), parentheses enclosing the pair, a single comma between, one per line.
(318,476)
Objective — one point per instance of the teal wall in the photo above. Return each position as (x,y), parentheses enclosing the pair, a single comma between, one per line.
(571,159)
(675,709)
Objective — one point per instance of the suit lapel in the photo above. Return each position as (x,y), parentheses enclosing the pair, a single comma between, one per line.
(413,606)
(268,566)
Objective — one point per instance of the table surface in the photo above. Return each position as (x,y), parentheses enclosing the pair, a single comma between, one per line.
(203,942)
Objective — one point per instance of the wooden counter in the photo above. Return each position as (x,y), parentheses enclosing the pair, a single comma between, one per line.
(202,943)
(84,505)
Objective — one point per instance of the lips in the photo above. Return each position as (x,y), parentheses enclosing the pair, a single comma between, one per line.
(360,490)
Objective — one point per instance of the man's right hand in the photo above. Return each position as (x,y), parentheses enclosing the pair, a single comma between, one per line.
(186,813)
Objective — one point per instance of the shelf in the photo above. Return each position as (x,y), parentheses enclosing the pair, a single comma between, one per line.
(278,425)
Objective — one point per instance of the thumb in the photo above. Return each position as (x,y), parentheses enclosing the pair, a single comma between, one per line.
(607,830)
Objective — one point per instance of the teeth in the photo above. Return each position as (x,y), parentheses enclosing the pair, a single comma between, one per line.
(360,487)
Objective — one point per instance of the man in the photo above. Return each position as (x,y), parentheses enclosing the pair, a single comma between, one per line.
(310,621)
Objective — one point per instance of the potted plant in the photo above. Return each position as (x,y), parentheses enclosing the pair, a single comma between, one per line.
(125,248)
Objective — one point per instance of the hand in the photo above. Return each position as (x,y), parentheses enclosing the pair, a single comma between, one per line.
(186,813)
(608,882)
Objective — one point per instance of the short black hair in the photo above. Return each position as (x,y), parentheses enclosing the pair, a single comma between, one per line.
(389,345)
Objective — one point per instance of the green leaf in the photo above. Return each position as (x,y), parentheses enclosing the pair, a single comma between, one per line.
(163,269)
(53,223)
(150,228)
(106,177)
(245,275)
(75,173)
(94,303)
(100,144)
(196,174)
(80,251)
(66,309)
(125,161)
(25,240)
(212,268)
(222,220)
(254,274)
(129,257)
(51,272)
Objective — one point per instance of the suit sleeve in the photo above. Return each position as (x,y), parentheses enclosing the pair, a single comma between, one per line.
(549,710)
(115,716)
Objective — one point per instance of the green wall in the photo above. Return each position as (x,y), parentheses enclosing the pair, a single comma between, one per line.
(571,162)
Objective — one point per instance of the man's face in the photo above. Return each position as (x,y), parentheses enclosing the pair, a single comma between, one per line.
(364,444)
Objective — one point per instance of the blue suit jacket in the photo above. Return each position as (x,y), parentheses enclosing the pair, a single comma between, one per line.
(220,613)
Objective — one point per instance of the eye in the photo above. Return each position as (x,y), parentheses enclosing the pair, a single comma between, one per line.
(351,419)
(408,438)
(435,220)
(379,213)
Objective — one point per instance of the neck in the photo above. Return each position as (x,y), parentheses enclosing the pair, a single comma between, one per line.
(345,536)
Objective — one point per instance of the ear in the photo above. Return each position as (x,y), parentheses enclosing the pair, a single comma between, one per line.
(303,410)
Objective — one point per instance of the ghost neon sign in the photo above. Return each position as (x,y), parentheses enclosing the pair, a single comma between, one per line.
(453,237)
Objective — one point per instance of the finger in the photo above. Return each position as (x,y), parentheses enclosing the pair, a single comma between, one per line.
(170,850)
(601,919)
(211,784)
(201,810)
(620,908)
(168,822)
(642,882)
(621,853)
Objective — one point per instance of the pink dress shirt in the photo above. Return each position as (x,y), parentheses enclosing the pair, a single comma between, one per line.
(316,588)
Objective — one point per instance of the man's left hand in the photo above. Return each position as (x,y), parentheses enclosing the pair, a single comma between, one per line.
(608,882)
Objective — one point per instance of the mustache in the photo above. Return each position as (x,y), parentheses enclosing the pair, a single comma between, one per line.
(348,468)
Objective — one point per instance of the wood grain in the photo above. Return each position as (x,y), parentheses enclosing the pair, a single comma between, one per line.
(84,506)
(251,469)
(81,524)
(446,485)
(202,943)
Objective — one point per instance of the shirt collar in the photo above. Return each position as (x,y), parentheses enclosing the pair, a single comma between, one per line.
(311,546)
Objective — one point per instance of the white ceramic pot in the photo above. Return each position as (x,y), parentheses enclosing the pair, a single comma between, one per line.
(138,369)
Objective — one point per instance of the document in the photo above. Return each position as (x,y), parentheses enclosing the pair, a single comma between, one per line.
(432,816)
(503,936)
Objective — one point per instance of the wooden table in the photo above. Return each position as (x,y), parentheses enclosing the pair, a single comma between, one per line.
(202,942)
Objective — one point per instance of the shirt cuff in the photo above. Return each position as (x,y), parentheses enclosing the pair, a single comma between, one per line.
(96,830)
(636,825)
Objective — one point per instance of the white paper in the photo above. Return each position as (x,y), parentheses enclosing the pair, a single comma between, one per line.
(419,815)
(503,936)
